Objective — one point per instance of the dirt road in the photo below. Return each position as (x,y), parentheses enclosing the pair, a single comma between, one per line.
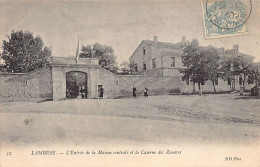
(218,119)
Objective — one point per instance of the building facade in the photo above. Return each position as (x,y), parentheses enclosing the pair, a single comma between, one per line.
(154,58)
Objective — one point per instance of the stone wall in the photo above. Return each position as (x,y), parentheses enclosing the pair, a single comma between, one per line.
(34,86)
(50,83)
(122,85)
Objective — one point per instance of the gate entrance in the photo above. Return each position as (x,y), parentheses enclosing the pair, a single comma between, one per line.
(76,85)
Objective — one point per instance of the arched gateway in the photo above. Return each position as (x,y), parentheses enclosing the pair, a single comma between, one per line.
(76,84)
(74,79)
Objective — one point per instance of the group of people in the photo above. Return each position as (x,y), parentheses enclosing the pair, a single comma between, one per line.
(101,92)
(145,92)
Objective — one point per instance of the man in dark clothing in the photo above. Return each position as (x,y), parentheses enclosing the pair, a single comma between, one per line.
(134,91)
(145,92)
(101,93)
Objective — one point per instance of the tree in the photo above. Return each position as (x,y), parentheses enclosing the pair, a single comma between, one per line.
(242,67)
(236,65)
(87,52)
(125,68)
(23,52)
(212,66)
(195,62)
(254,77)
(104,53)
(128,67)
(226,71)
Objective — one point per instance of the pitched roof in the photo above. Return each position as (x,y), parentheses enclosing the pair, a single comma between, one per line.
(164,44)
(160,45)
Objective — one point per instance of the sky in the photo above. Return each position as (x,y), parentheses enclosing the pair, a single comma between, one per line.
(122,25)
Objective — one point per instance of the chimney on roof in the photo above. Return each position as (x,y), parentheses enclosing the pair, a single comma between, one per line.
(236,48)
(155,39)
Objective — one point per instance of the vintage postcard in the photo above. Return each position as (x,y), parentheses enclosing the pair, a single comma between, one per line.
(130,83)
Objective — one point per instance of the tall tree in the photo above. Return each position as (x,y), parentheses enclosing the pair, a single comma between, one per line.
(212,66)
(104,53)
(226,70)
(236,66)
(195,62)
(242,67)
(23,52)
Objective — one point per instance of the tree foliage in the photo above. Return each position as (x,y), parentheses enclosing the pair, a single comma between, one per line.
(236,66)
(127,67)
(202,64)
(242,67)
(254,76)
(23,52)
(212,64)
(195,62)
(104,53)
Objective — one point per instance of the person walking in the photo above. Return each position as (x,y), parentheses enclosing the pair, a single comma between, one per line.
(134,91)
(101,93)
(145,92)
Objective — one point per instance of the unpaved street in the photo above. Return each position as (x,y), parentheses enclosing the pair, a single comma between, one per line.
(219,119)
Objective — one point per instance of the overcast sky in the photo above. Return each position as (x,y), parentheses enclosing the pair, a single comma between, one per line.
(122,25)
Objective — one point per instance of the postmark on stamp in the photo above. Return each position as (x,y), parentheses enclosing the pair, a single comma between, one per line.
(224,18)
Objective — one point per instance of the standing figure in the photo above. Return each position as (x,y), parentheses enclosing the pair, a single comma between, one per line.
(101,92)
(68,93)
(134,91)
(145,92)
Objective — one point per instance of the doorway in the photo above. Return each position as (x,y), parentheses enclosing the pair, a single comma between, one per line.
(76,85)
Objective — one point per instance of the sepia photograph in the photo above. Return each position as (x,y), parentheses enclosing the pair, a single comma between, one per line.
(130,83)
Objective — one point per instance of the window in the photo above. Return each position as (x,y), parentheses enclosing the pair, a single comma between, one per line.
(144,66)
(216,81)
(229,81)
(172,61)
(240,80)
(143,50)
(154,63)
(136,68)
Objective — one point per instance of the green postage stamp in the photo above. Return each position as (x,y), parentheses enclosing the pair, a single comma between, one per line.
(223,18)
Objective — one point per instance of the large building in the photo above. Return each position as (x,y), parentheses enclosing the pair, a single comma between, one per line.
(158,58)
(155,58)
